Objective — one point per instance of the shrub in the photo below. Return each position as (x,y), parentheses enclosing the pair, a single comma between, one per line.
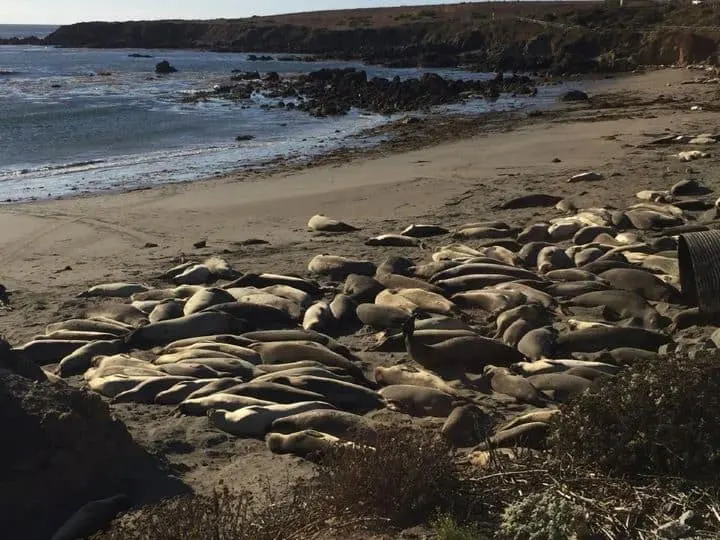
(543,516)
(446,527)
(660,417)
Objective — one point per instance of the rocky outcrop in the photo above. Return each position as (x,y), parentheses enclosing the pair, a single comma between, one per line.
(62,449)
(164,68)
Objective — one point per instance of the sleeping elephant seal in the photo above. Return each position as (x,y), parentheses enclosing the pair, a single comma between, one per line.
(257,316)
(92,518)
(596,339)
(307,443)
(618,305)
(382,317)
(146,391)
(408,375)
(341,394)
(205,298)
(281,352)
(339,268)
(123,313)
(559,386)
(166,310)
(539,343)
(270,391)
(338,423)
(530,435)
(78,361)
(199,406)
(46,351)
(256,420)
(395,240)
(418,400)
(90,325)
(261,281)
(322,223)
(114,290)
(421,230)
(502,381)
(199,324)
(362,288)
(642,282)
(466,426)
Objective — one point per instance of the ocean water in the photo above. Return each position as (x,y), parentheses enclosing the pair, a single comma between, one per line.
(81,120)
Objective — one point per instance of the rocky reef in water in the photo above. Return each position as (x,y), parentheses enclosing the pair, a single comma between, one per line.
(332,92)
(560,37)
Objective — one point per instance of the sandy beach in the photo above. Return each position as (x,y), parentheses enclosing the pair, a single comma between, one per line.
(51,251)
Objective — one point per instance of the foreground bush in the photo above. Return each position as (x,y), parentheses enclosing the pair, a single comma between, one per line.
(660,417)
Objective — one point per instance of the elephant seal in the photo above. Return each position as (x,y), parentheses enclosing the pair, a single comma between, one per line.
(267,280)
(339,268)
(341,394)
(180,391)
(552,258)
(428,270)
(114,290)
(234,367)
(399,282)
(92,518)
(343,310)
(483,268)
(235,351)
(620,305)
(362,288)
(318,317)
(78,361)
(280,352)
(123,313)
(293,310)
(651,219)
(465,426)
(90,325)
(543,415)
(199,406)
(71,335)
(147,390)
(46,351)
(219,339)
(586,373)
(536,232)
(322,223)
(516,331)
(408,375)
(190,369)
(298,334)
(590,232)
(338,423)
(166,310)
(396,342)
(424,231)
(381,317)
(530,435)
(533,200)
(597,339)
(256,420)
(257,316)
(394,240)
(395,265)
(642,282)
(198,324)
(205,298)
(470,353)
(559,386)
(571,289)
(502,381)
(485,233)
(113,385)
(418,401)
(489,300)
(301,298)
(530,251)
(532,313)
(275,392)
(430,302)
(472,282)
(538,343)
(307,443)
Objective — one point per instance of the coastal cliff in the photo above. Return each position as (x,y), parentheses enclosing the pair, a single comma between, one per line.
(562,37)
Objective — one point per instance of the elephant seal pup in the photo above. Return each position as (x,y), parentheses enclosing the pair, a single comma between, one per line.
(199,324)
(256,420)
(381,317)
(341,394)
(92,518)
(78,361)
(539,343)
(166,310)
(530,435)
(339,268)
(408,375)
(322,223)
(205,298)
(307,443)
(90,325)
(418,401)
(421,230)
(318,317)
(502,381)
(200,406)
(146,391)
(597,339)
(466,426)
(394,240)
(362,289)
(559,386)
(338,423)
(114,290)
(642,282)
(46,351)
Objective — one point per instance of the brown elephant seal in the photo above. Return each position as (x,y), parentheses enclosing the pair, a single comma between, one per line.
(362,288)
(257,316)
(190,369)
(261,281)
(398,281)
(427,270)
(275,392)
(71,335)
(114,290)
(559,386)
(396,342)
(92,518)
(485,233)
(338,423)
(642,282)
(166,310)
(536,232)
(339,268)
(516,331)
(123,313)
(406,374)
(256,420)
(322,223)
(483,268)
(597,339)
(299,334)
(502,381)
(343,310)
(395,265)
(308,443)
(421,230)
(552,258)
(146,391)
(418,401)
(586,373)
(530,251)
(645,219)
(381,317)
(180,391)
(590,232)
(315,371)
(490,301)
(46,351)
(318,317)
(472,282)
(198,324)
(533,200)
(199,406)
(543,415)
(466,426)
(470,353)
(280,352)
(530,435)
(618,305)
(571,289)
(539,343)
(78,361)
(341,394)
(430,302)
(532,313)
(205,298)
(394,240)
(90,325)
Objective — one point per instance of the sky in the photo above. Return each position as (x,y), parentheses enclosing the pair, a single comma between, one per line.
(70,11)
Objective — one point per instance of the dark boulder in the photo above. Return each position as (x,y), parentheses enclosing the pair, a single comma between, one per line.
(574,95)
(164,67)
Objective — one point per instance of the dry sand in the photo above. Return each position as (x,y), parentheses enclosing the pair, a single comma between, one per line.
(50,251)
